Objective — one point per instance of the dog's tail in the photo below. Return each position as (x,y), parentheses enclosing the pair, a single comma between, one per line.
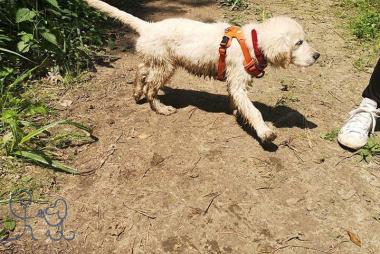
(136,23)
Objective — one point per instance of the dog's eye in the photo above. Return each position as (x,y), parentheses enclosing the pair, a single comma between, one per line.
(299,43)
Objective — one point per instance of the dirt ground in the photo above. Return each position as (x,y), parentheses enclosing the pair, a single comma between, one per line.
(198,181)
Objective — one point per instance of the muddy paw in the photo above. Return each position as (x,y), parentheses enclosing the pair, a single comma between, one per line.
(166,110)
(268,136)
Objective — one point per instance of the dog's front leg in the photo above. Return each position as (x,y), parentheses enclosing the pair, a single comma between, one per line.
(238,93)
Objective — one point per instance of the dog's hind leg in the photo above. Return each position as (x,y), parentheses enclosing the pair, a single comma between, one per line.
(139,85)
(158,75)
(248,111)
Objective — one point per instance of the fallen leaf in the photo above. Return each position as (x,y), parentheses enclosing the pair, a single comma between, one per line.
(156,159)
(354,238)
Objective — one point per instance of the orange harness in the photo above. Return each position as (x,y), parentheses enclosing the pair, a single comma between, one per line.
(252,66)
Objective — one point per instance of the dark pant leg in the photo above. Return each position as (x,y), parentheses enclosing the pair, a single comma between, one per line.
(373,89)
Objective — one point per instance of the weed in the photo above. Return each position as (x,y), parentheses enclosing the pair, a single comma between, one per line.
(285,100)
(367,25)
(361,64)
(8,225)
(37,37)
(235,4)
(330,136)
(262,14)
(371,149)
(287,85)
(64,34)
(236,20)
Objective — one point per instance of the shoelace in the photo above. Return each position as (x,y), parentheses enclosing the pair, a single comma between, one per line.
(374,113)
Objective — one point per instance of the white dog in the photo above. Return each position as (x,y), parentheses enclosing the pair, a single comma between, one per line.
(172,43)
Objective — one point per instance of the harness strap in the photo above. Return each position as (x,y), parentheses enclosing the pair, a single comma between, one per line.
(252,67)
(262,62)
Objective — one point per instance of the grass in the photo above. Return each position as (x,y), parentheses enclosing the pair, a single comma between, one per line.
(41,39)
(330,136)
(364,23)
(234,4)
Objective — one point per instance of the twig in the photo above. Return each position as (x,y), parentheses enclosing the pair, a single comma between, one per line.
(146,171)
(211,201)
(141,212)
(112,151)
(265,188)
(307,131)
(297,237)
(345,158)
(287,143)
(333,95)
(233,137)
(118,138)
(194,166)
(92,171)
(121,232)
(107,157)
(192,112)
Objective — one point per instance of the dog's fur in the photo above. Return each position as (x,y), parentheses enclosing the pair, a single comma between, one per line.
(193,45)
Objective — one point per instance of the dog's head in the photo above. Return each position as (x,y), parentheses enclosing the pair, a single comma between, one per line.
(282,41)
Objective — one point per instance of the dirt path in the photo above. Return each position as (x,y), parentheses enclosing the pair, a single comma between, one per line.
(197,182)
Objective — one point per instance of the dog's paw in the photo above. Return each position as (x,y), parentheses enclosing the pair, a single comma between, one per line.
(138,97)
(166,110)
(268,136)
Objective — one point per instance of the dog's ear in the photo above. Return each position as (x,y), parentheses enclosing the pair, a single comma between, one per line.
(282,59)
(278,52)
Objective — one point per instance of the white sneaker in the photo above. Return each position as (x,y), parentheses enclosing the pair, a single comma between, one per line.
(362,121)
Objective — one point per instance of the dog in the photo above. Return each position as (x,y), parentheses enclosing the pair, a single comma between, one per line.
(176,42)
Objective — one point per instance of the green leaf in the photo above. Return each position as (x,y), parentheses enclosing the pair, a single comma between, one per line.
(14,53)
(46,127)
(36,110)
(26,37)
(4,37)
(24,14)
(9,224)
(3,233)
(50,37)
(23,76)
(23,46)
(53,3)
(6,72)
(45,160)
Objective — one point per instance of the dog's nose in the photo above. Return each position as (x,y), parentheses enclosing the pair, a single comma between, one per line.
(316,56)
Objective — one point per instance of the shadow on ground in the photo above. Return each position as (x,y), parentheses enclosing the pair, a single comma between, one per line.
(279,116)
(146,9)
